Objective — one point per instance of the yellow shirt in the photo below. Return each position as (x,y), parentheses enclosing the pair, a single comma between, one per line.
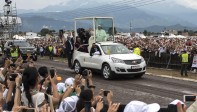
(184,57)
(137,51)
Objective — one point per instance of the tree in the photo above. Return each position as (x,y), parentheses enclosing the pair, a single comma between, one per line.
(111,30)
(44,31)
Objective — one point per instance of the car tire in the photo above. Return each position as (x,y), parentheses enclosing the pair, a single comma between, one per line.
(77,67)
(106,72)
(139,75)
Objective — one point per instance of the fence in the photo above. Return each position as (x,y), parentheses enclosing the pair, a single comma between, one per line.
(165,60)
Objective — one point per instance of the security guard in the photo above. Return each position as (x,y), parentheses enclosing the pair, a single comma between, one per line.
(184,62)
(50,52)
(14,52)
(137,50)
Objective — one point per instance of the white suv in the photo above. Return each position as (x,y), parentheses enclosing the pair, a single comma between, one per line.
(114,58)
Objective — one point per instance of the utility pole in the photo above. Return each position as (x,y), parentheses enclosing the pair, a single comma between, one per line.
(130,26)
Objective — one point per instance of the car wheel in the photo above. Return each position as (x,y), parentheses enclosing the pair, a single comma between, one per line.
(77,67)
(106,71)
(139,75)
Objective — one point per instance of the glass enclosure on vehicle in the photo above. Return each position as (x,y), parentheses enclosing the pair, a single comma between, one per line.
(94,29)
(104,29)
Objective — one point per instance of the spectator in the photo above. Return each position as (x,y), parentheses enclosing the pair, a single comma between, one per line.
(50,49)
(69,50)
(31,96)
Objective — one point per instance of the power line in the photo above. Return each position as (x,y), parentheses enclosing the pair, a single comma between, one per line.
(100,8)
(133,5)
(121,9)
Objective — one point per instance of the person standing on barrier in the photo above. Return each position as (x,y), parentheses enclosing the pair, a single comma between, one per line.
(137,50)
(184,62)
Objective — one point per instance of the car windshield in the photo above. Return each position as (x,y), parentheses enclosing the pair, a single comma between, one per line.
(21,44)
(115,49)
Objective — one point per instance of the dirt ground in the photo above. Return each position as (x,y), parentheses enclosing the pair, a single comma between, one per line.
(170,72)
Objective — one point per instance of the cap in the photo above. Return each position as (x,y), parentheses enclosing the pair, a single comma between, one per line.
(69,81)
(68,104)
(61,87)
(138,106)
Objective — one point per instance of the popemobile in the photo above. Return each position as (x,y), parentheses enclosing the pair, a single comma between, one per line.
(101,53)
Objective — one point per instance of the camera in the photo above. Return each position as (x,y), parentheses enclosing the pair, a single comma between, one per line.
(85,72)
(13,76)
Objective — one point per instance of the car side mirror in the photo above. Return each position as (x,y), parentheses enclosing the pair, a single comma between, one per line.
(97,53)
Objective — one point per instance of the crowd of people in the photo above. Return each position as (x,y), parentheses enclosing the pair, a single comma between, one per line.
(163,45)
(26,88)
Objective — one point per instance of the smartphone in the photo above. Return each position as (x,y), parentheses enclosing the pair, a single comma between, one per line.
(189,98)
(52,72)
(172,108)
(85,72)
(105,93)
(13,76)
(24,61)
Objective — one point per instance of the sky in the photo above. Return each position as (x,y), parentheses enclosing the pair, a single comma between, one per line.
(39,4)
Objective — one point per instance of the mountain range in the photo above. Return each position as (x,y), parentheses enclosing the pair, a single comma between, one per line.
(153,18)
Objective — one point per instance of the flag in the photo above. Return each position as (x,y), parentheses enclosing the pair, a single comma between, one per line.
(108,52)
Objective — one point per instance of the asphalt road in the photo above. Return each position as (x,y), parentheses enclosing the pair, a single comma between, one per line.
(149,89)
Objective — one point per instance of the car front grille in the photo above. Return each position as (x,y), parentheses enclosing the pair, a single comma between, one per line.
(134,70)
(132,62)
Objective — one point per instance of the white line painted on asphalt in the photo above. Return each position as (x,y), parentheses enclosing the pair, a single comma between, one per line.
(178,78)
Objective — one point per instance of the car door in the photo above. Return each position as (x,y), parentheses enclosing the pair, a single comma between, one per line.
(95,60)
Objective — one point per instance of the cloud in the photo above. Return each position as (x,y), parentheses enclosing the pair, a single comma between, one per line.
(188,3)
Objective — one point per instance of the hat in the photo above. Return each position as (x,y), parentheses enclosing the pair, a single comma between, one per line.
(61,87)
(69,81)
(138,106)
(68,104)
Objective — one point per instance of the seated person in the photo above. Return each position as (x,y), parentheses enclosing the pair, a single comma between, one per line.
(94,49)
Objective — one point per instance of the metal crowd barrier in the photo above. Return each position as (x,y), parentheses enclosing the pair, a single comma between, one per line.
(165,60)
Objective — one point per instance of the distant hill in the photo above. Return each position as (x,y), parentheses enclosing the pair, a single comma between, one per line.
(36,23)
(157,28)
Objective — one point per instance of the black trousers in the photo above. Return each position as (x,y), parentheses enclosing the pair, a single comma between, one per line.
(183,69)
(51,55)
(69,57)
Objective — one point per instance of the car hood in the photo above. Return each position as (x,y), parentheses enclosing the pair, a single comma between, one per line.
(126,56)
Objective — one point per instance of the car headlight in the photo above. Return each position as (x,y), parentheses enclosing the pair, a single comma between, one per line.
(115,60)
(142,59)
